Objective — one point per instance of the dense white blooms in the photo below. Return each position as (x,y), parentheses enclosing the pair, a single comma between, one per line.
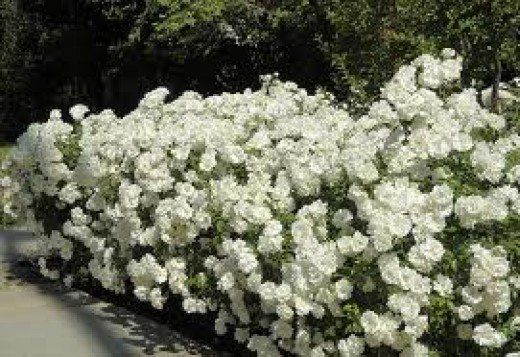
(7,188)
(495,206)
(145,274)
(287,217)
(380,329)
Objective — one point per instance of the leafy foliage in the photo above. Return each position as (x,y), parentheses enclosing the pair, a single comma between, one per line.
(55,53)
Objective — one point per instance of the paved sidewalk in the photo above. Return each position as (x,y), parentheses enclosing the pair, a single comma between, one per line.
(42,319)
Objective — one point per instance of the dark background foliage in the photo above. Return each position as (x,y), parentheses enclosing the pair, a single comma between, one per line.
(108,53)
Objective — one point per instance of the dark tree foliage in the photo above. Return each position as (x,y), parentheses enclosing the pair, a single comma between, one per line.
(107,53)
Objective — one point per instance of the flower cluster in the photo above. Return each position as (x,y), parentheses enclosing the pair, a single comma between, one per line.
(298,227)
(7,188)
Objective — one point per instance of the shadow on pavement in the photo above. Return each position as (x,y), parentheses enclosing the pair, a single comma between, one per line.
(141,336)
(152,339)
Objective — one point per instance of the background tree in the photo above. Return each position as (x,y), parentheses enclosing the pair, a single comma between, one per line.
(56,53)
(488,33)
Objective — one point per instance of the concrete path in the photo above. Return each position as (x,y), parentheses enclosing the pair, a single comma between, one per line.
(42,319)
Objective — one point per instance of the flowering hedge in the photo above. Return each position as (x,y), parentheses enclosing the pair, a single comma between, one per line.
(7,215)
(299,227)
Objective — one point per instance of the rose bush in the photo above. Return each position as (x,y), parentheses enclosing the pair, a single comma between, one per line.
(300,228)
(7,215)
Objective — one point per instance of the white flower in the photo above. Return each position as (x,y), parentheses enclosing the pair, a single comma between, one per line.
(426,254)
(226,282)
(448,53)
(515,323)
(69,193)
(263,346)
(465,312)
(487,265)
(78,112)
(156,298)
(192,305)
(443,285)
(154,98)
(208,160)
(270,244)
(129,195)
(415,350)
(405,304)
(344,289)
(284,312)
(486,335)
(55,115)
(352,245)
(146,271)
(142,292)
(353,346)
(379,329)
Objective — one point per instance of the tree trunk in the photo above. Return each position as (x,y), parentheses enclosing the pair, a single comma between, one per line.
(497,68)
